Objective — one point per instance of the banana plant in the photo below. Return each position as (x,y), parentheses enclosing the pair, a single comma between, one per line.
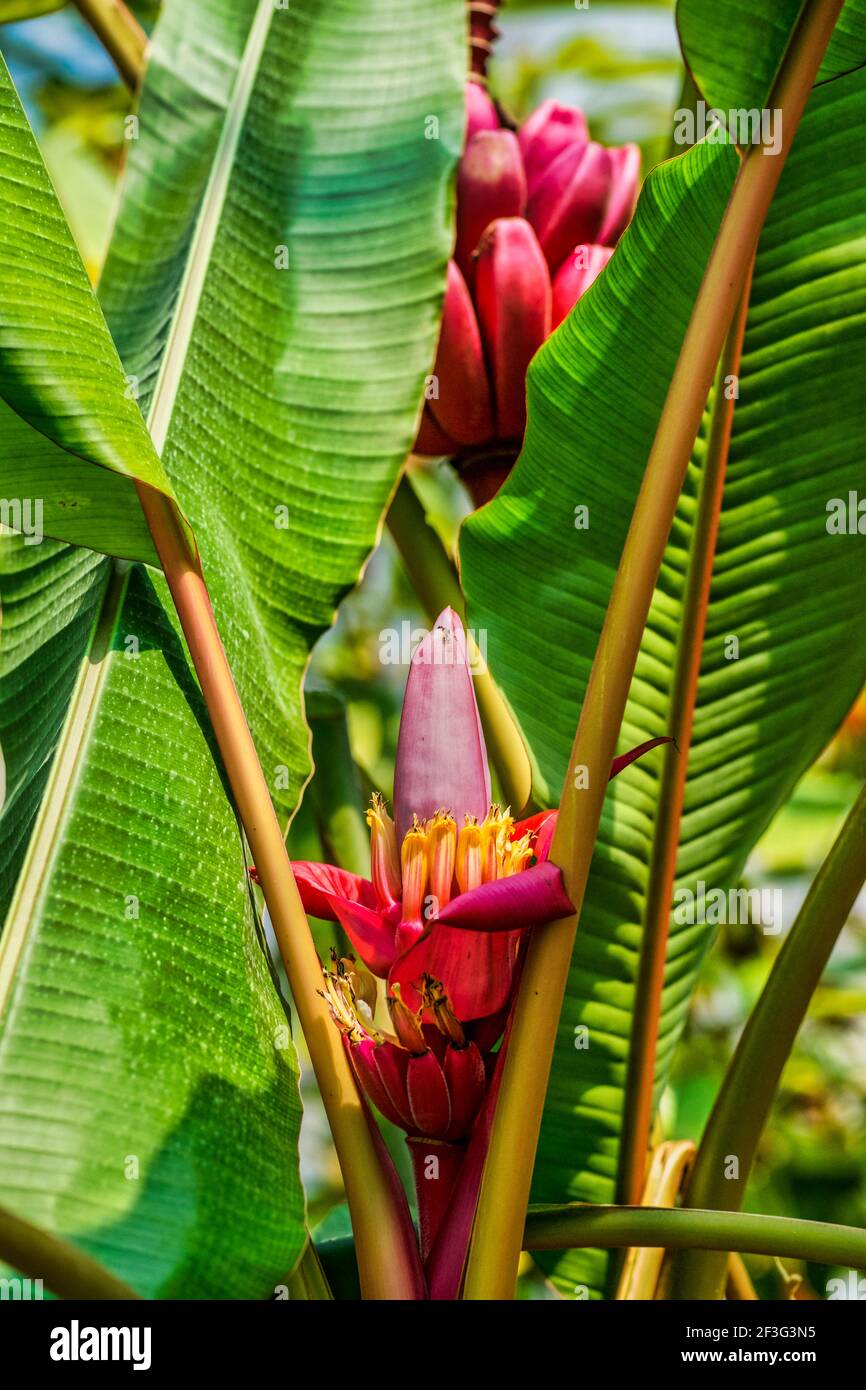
(331,250)
(717,651)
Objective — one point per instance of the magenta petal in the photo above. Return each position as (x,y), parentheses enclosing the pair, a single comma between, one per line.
(370,933)
(634,753)
(441,758)
(510,904)
(476,969)
(338,896)
(484,1032)
(472,946)
(548,131)
(320,884)
(625,177)
(544,836)
(542,826)
(530,825)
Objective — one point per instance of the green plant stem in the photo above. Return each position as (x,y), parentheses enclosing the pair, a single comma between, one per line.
(576,1227)
(120,34)
(752,1078)
(640,1078)
(388,1258)
(435,581)
(573,1226)
(64,1269)
(495,1249)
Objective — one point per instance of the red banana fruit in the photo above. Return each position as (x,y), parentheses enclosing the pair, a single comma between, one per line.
(490,184)
(568,204)
(575,276)
(463,410)
(513,299)
(545,134)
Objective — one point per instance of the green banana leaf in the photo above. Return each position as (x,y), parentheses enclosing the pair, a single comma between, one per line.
(733,49)
(284,413)
(786,588)
(150,1109)
(157,1044)
(72,440)
(50,595)
(12,10)
(601,4)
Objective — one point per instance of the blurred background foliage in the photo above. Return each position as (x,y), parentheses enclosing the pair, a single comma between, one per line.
(620,62)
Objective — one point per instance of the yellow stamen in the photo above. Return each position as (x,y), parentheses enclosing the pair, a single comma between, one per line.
(362,984)
(468,869)
(346,1010)
(434,854)
(495,829)
(488,854)
(434,998)
(441,854)
(407,1025)
(414,863)
(517,855)
(384,859)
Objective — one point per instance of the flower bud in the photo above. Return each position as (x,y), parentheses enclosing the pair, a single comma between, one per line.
(441,757)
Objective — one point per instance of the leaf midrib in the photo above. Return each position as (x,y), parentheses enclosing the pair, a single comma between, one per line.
(207,226)
(62,781)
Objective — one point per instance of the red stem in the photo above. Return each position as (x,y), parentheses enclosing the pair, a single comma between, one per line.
(447,1261)
(436,1167)
(483,33)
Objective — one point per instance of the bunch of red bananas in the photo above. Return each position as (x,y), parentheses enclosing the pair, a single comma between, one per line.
(539,211)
